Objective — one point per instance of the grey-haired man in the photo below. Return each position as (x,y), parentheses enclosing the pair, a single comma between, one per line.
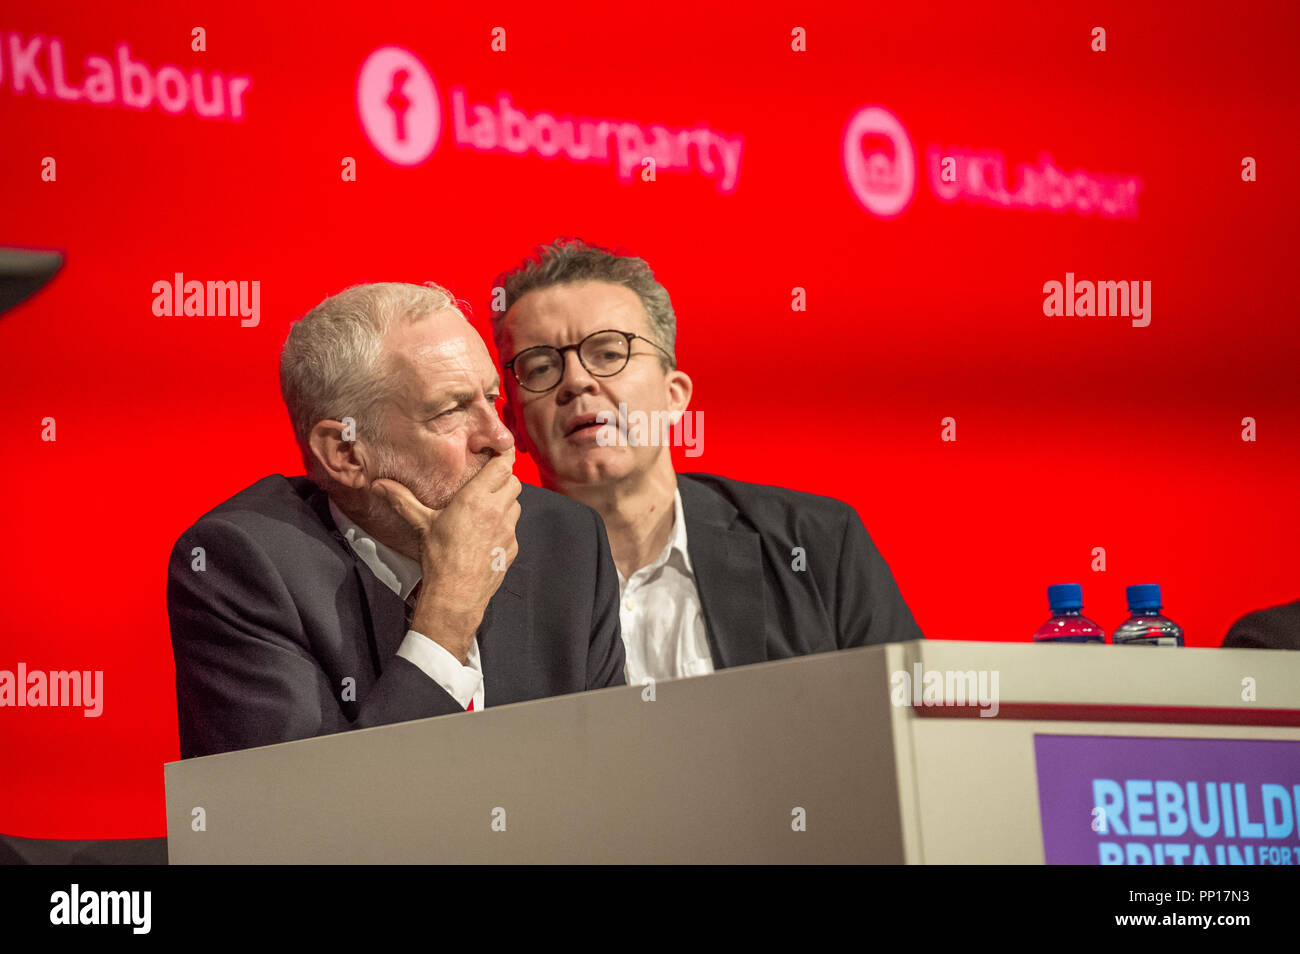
(409,574)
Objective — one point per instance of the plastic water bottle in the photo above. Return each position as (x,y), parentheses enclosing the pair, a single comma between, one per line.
(1068,624)
(1146,626)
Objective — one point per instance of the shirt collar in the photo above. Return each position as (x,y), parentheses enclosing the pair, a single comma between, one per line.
(395,570)
(675,549)
(677,542)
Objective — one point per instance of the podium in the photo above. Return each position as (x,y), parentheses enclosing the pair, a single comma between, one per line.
(924,752)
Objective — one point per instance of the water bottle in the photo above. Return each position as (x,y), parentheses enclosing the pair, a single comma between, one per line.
(1068,624)
(1146,626)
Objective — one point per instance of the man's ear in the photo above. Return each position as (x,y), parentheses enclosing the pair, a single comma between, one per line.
(512,424)
(679,393)
(341,459)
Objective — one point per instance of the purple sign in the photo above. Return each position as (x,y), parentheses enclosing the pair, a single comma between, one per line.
(1139,801)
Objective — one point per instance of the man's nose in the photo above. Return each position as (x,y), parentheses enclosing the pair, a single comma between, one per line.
(577,379)
(491,433)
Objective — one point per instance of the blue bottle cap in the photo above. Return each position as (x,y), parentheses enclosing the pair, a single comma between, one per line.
(1065,596)
(1144,596)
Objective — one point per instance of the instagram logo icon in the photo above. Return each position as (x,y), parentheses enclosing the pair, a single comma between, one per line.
(398,105)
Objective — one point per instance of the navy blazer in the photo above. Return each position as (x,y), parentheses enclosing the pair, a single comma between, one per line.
(763,598)
(285,633)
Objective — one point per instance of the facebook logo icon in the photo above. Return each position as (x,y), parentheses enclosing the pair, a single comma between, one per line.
(398,105)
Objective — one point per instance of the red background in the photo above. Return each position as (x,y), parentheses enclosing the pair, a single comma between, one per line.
(1072,433)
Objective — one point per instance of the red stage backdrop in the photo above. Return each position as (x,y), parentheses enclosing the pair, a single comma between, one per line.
(855,208)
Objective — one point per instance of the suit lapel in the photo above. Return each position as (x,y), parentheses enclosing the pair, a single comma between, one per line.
(728,565)
(383,611)
(504,635)
(505,642)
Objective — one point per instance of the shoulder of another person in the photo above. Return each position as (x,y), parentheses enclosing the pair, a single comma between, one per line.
(767,501)
(540,500)
(1277,627)
(542,509)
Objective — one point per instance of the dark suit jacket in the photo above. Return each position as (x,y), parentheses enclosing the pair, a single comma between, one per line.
(1275,628)
(757,606)
(284,611)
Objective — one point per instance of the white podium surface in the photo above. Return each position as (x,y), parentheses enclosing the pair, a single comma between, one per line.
(794,761)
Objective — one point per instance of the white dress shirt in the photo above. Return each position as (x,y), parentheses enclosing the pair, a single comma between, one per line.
(664,635)
(400,574)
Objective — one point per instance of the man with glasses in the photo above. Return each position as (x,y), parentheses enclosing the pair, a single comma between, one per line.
(712,572)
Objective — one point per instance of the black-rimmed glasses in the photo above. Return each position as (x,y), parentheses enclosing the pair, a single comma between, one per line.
(603,353)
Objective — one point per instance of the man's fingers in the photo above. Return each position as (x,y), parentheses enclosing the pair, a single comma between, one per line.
(496,473)
(403,501)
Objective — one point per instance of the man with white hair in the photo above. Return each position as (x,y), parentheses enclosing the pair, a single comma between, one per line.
(409,574)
